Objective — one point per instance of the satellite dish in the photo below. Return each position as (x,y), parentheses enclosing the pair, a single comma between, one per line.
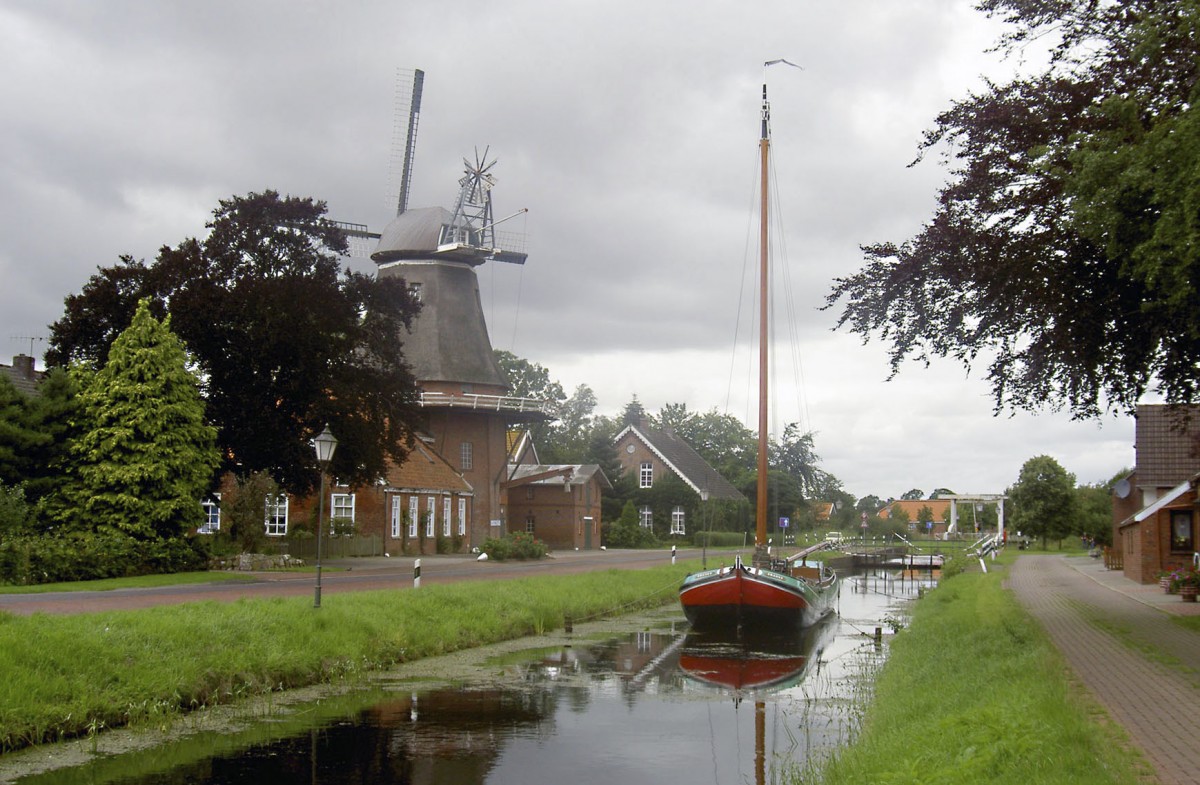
(1122,489)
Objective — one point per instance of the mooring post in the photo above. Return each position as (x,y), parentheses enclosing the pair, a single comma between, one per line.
(417,574)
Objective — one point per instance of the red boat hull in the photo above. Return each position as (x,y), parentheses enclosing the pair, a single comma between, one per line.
(740,596)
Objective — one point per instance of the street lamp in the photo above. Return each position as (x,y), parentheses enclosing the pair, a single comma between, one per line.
(324,445)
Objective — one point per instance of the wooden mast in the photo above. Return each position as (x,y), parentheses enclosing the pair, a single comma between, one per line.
(760,513)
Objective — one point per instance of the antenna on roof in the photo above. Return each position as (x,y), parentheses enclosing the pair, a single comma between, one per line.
(30,338)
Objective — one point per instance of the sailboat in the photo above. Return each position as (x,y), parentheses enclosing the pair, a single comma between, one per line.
(769,593)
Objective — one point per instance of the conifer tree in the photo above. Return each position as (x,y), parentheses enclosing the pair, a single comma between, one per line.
(146,455)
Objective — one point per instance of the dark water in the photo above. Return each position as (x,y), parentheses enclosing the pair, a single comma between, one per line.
(647,707)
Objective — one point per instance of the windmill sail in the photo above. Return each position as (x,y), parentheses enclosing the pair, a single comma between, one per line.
(408,116)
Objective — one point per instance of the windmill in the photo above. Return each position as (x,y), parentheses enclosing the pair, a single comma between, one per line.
(463,391)
(471,227)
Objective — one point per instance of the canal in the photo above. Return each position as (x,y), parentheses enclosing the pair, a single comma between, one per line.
(633,700)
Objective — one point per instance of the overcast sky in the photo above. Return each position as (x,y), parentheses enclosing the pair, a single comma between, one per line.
(628,129)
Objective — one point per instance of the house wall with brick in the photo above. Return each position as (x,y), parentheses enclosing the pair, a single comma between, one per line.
(420,507)
(451,429)
(562,515)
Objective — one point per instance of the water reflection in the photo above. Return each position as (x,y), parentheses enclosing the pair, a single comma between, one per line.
(659,705)
(755,663)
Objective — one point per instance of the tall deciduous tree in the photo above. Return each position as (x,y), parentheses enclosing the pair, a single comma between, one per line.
(147,455)
(1065,250)
(285,340)
(1043,499)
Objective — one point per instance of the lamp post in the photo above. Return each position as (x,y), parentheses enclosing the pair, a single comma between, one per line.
(324,445)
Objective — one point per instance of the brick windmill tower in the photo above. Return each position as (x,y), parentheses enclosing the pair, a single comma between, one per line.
(463,390)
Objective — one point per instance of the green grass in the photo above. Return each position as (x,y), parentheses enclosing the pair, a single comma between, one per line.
(140,582)
(66,675)
(974,691)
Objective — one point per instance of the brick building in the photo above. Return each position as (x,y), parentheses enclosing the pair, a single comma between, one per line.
(1154,507)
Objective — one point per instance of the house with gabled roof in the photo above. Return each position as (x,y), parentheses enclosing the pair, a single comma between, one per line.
(22,374)
(910,510)
(558,504)
(1154,506)
(650,456)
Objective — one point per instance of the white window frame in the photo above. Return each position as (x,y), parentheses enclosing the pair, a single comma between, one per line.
(334,498)
(212,514)
(414,514)
(646,517)
(646,475)
(396,516)
(678,520)
(275,518)
(529,523)
(447,519)
(430,516)
(462,515)
(466,456)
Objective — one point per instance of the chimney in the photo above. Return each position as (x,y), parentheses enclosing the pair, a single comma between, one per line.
(23,364)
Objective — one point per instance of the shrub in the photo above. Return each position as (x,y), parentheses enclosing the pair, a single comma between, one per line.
(625,535)
(15,513)
(721,539)
(516,545)
(79,556)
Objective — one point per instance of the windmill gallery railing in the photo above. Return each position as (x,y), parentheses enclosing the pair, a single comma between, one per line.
(495,403)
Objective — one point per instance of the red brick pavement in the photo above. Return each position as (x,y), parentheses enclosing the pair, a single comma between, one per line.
(1142,667)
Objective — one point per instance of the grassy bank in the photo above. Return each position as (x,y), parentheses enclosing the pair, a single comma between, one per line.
(136,582)
(973,691)
(73,675)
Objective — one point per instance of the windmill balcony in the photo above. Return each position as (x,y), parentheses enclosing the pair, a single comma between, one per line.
(494,403)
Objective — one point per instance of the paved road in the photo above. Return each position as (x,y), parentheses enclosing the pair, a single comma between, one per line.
(1142,667)
(347,575)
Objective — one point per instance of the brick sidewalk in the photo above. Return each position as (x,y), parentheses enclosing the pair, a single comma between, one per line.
(1119,639)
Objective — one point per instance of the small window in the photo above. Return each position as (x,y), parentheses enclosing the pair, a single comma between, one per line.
(529,523)
(466,456)
(396,516)
(342,506)
(430,515)
(462,515)
(677,518)
(446,520)
(647,475)
(277,515)
(212,515)
(529,493)
(414,512)
(414,291)
(647,518)
(1182,538)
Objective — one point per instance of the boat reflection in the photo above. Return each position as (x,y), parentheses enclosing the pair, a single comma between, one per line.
(755,663)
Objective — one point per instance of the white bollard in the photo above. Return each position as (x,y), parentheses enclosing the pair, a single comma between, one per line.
(672,554)
(417,574)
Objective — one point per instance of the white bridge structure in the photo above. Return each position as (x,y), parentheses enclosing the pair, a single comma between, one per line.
(976,498)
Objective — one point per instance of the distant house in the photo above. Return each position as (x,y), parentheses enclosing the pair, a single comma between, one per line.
(22,374)
(1154,507)
(650,455)
(911,509)
(824,511)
